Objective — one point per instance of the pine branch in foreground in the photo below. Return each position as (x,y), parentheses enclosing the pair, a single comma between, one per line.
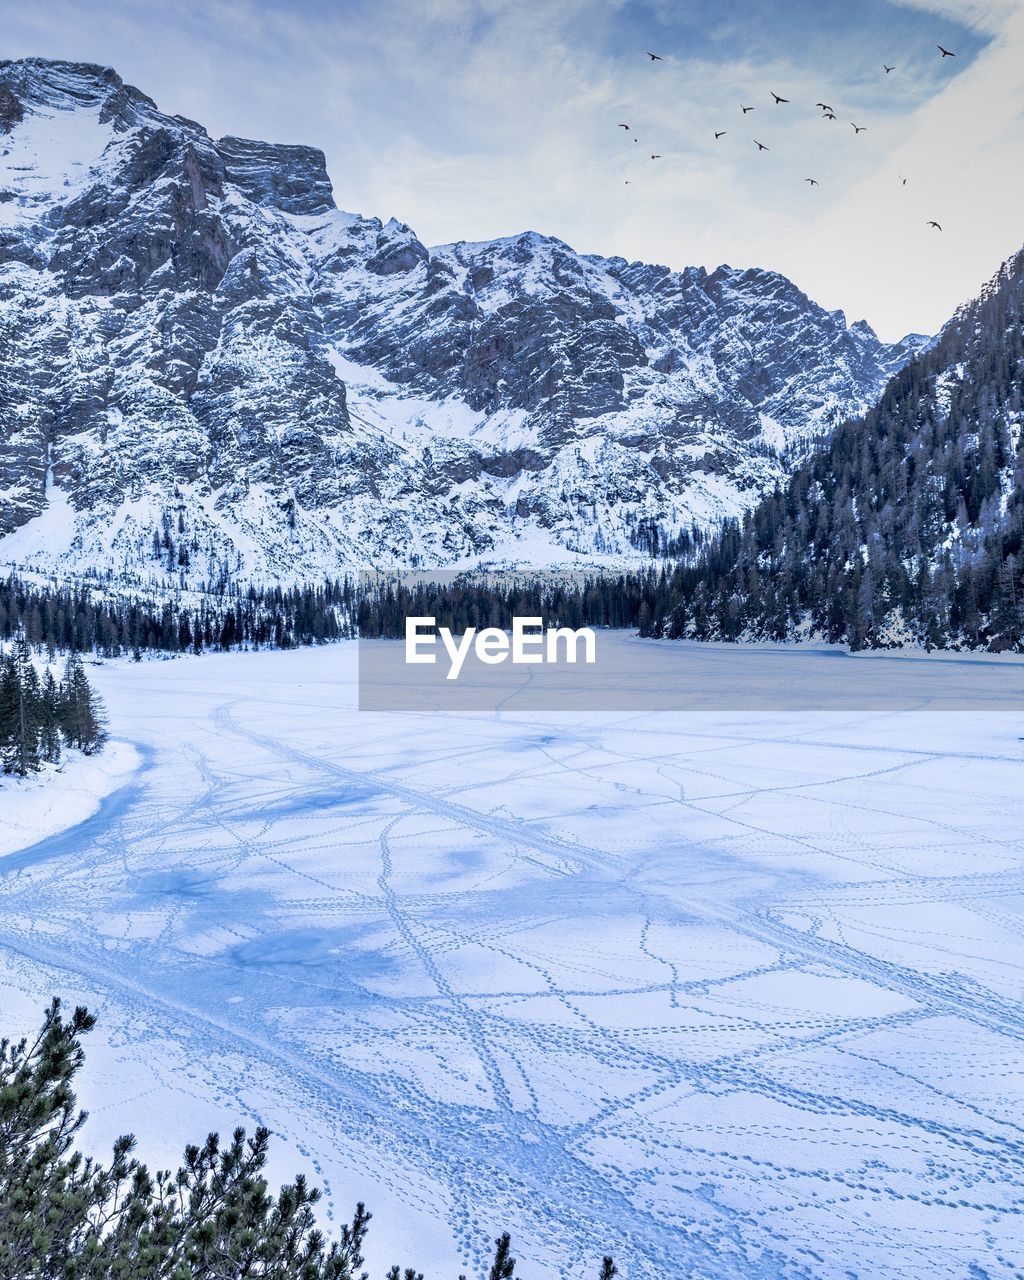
(66,1216)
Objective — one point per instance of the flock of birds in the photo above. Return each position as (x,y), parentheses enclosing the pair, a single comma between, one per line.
(828,113)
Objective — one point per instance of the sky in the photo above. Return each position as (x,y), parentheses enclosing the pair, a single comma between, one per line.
(471,119)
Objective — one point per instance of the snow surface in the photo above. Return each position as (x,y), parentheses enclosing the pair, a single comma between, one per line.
(725,994)
(49,158)
(36,539)
(61,796)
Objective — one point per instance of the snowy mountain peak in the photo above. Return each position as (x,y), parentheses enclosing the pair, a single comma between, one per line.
(208,371)
(40,86)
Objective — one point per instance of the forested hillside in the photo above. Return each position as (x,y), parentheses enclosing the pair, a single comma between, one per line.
(905,527)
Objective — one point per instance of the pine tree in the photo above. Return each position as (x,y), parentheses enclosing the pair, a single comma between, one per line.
(10,700)
(914,512)
(504,1265)
(49,722)
(21,749)
(81,714)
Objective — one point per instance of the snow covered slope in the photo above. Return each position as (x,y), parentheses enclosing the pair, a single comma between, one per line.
(207,370)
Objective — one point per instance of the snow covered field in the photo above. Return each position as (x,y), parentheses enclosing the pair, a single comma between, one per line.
(61,796)
(723,993)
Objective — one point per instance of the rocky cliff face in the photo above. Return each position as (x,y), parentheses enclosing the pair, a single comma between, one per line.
(208,370)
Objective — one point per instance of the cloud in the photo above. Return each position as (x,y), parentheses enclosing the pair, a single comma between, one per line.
(963,155)
(988,16)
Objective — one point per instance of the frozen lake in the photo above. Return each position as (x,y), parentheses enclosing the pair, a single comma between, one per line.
(723,993)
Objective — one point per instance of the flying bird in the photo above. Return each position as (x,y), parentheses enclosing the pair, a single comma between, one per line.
(776,97)
(745,109)
(824,106)
(887,69)
(655,157)
(654,57)
(858,128)
(829,115)
(903,181)
(760,145)
(812,181)
(946,53)
(721,135)
(624,126)
(935,225)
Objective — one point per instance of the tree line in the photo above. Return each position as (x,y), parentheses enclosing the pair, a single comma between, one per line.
(493,600)
(40,716)
(67,1216)
(98,618)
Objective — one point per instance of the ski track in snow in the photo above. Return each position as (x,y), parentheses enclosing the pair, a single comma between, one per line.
(723,994)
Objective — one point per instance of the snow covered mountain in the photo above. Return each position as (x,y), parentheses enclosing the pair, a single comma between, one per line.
(207,370)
